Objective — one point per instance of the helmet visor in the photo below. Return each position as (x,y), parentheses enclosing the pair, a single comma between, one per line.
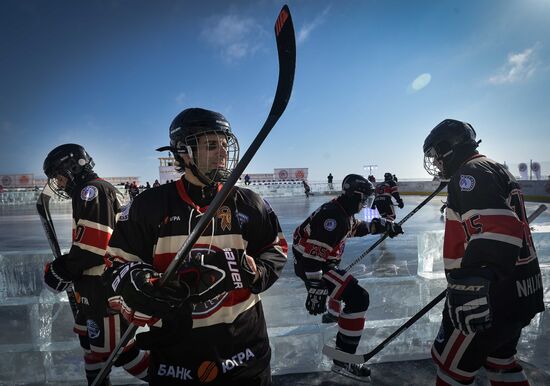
(367,200)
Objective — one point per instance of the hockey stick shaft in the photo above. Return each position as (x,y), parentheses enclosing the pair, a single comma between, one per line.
(362,358)
(286,48)
(441,186)
(43,208)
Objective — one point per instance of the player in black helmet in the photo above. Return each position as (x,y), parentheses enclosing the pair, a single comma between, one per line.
(385,191)
(207,325)
(318,247)
(494,280)
(69,169)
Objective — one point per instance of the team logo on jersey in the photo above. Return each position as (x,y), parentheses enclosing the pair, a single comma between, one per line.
(467,183)
(224,214)
(330,224)
(88,193)
(93,329)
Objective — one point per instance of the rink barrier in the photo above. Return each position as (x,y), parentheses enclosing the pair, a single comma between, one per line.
(538,191)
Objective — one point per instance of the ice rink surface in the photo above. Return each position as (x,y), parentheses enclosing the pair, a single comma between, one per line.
(35,328)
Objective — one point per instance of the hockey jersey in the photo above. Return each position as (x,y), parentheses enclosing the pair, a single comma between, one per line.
(229,333)
(486,226)
(386,190)
(320,240)
(95,206)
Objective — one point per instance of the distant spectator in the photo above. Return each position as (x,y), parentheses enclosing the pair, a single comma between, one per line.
(371,179)
(127,187)
(133,190)
(307,189)
(247,179)
(147,186)
(395,178)
(156,183)
(329,180)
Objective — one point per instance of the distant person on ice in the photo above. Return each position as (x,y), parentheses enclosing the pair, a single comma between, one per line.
(307,189)
(69,169)
(329,181)
(207,325)
(318,247)
(385,191)
(494,280)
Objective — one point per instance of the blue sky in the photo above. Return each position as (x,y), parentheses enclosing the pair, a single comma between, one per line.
(372,79)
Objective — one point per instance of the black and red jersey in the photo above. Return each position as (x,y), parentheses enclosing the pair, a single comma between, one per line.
(95,206)
(229,331)
(487,226)
(386,190)
(320,240)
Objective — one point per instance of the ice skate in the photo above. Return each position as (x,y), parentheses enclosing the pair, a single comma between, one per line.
(360,372)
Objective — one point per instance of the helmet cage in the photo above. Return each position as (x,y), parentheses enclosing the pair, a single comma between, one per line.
(200,160)
(433,162)
(72,164)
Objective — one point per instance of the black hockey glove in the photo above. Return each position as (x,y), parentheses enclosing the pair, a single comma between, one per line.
(137,296)
(400,204)
(468,302)
(380,225)
(317,292)
(56,276)
(211,273)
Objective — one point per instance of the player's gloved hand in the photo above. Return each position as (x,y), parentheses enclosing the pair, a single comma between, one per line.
(380,225)
(317,292)
(138,297)
(400,204)
(211,272)
(56,276)
(468,301)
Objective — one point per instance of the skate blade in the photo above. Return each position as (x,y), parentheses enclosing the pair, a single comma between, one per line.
(341,371)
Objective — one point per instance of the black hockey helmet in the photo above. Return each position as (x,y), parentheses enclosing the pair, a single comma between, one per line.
(357,187)
(185,130)
(448,145)
(70,161)
(388,176)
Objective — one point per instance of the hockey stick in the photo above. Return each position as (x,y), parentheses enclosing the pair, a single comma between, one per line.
(43,208)
(441,186)
(342,356)
(286,48)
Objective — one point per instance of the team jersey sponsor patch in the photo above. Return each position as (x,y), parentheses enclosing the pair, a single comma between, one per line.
(467,183)
(88,193)
(330,224)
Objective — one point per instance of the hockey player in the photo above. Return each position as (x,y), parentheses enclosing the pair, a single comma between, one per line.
(318,247)
(207,325)
(494,280)
(95,205)
(383,200)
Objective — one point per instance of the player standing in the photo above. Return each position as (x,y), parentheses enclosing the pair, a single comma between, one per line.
(95,205)
(494,280)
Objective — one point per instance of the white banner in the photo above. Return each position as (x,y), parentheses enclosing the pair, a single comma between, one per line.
(17,180)
(291,174)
